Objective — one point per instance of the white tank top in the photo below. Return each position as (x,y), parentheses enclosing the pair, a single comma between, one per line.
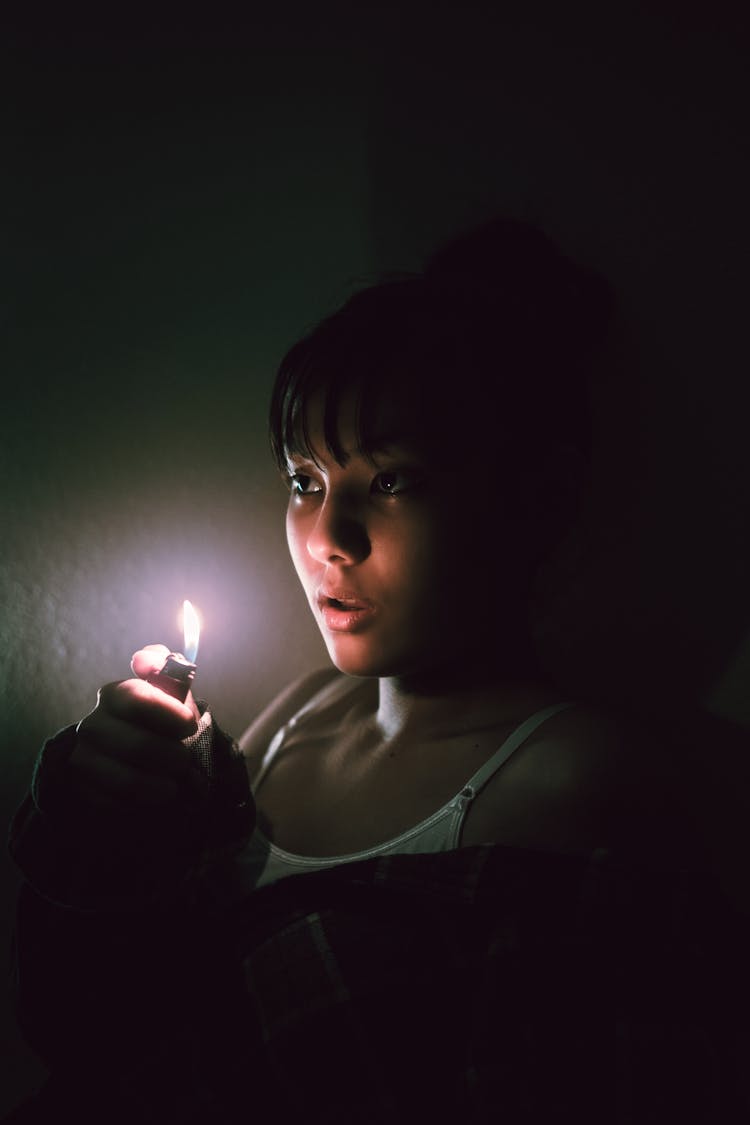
(261,862)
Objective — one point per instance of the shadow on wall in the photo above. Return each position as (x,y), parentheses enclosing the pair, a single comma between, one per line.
(641,172)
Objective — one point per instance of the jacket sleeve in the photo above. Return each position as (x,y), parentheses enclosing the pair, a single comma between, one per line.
(76,859)
(110,947)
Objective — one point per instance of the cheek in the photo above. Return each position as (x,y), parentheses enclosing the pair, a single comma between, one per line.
(421,569)
(449,564)
(296,538)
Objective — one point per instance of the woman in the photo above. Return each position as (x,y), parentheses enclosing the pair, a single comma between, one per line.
(432,789)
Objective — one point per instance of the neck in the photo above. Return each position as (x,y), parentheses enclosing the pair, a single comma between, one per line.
(463,696)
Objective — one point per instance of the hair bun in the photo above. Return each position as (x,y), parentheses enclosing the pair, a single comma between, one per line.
(515,262)
(485,254)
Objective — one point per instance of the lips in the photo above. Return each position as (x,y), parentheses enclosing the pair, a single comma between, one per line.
(345,611)
(343,599)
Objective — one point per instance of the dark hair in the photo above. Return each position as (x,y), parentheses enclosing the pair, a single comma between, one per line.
(493,341)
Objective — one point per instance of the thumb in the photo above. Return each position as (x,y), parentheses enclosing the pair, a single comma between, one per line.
(149,659)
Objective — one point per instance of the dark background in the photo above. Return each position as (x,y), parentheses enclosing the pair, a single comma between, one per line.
(178,205)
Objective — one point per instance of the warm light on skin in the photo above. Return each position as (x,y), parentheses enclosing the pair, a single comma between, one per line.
(432,536)
(192,630)
(395,533)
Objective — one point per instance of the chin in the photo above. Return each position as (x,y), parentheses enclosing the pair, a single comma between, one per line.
(366,661)
(362,666)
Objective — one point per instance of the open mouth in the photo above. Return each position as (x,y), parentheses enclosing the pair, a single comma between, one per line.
(339,603)
(343,600)
(345,612)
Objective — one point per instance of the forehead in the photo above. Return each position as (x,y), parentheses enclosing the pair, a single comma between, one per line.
(353,421)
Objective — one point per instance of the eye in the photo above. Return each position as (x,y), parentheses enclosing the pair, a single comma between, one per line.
(394,482)
(301,484)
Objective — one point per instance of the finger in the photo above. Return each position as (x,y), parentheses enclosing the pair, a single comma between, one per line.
(149,659)
(105,783)
(136,701)
(103,735)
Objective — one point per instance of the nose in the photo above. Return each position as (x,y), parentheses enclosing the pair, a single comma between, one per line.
(339,534)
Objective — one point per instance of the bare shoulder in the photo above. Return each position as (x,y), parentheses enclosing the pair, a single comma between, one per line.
(617,745)
(667,790)
(675,785)
(594,743)
(254,742)
(592,777)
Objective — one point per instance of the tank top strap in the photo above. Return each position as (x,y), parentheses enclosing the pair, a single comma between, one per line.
(330,692)
(268,758)
(511,744)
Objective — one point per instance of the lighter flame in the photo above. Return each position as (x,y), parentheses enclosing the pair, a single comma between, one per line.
(192,629)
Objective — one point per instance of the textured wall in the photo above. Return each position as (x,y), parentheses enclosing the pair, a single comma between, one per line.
(176,222)
(177,215)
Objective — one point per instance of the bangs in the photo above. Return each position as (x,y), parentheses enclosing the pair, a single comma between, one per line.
(445,364)
(357,358)
(311,373)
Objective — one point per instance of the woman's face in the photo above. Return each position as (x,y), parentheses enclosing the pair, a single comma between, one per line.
(401,554)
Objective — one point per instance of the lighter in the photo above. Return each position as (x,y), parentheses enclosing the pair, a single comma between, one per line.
(177,673)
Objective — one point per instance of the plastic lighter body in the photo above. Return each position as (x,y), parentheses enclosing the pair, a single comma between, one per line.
(175,676)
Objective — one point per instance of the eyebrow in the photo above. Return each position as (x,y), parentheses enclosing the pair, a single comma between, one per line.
(378,445)
(385,444)
(388,440)
(399,442)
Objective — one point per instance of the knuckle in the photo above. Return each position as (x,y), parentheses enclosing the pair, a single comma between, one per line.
(148,659)
(110,694)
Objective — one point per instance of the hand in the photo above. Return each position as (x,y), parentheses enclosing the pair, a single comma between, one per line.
(128,758)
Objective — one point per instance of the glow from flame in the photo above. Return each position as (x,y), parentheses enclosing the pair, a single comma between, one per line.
(192,630)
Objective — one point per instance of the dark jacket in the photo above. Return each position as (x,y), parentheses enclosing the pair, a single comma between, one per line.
(482,985)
